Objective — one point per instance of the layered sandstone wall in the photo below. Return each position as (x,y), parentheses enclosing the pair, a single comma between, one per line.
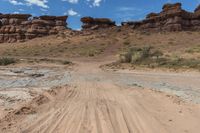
(21,27)
(96,23)
(171,18)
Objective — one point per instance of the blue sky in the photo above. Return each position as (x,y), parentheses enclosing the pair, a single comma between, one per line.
(118,10)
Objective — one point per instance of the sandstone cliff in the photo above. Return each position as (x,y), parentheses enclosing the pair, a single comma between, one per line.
(21,27)
(96,23)
(171,18)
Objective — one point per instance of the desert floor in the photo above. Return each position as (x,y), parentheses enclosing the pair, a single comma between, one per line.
(85,98)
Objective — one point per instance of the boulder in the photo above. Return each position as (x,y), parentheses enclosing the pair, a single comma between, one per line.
(152,15)
(47,17)
(103,21)
(169,6)
(87,20)
(18,16)
(62,18)
(96,23)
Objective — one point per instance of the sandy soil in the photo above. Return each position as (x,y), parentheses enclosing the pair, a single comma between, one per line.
(95,102)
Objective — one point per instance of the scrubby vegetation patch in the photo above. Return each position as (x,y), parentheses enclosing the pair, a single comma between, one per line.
(6,61)
(148,56)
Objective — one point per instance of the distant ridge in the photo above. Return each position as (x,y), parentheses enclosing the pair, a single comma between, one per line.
(171,18)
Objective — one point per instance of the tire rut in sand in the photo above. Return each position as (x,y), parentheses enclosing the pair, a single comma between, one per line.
(100,107)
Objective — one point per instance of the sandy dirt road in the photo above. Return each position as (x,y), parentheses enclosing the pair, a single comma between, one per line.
(95,103)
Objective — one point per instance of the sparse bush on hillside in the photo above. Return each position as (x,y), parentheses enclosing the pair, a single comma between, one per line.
(154,58)
(136,55)
(91,53)
(7,61)
(127,43)
(157,54)
(194,49)
(180,63)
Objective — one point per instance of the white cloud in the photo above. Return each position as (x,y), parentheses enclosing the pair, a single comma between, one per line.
(72,1)
(95,3)
(40,3)
(16,12)
(71,12)
(44,10)
(21,10)
(44,3)
(15,2)
(92,3)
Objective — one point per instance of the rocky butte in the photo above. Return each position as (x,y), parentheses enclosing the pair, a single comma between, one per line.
(90,23)
(171,18)
(21,27)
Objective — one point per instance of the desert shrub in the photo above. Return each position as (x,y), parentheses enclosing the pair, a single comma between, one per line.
(91,53)
(157,54)
(146,56)
(66,62)
(125,58)
(137,55)
(181,63)
(7,61)
(194,49)
(127,42)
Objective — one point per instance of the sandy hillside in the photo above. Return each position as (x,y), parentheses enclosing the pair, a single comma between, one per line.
(105,42)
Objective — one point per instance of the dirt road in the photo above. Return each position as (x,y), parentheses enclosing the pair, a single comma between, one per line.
(95,103)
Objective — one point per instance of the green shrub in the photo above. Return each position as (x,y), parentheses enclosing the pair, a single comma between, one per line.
(91,53)
(126,43)
(181,63)
(7,61)
(194,49)
(136,55)
(157,54)
(154,58)
(125,58)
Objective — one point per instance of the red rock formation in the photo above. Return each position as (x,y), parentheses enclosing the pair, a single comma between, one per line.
(18,27)
(197,9)
(171,18)
(96,23)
